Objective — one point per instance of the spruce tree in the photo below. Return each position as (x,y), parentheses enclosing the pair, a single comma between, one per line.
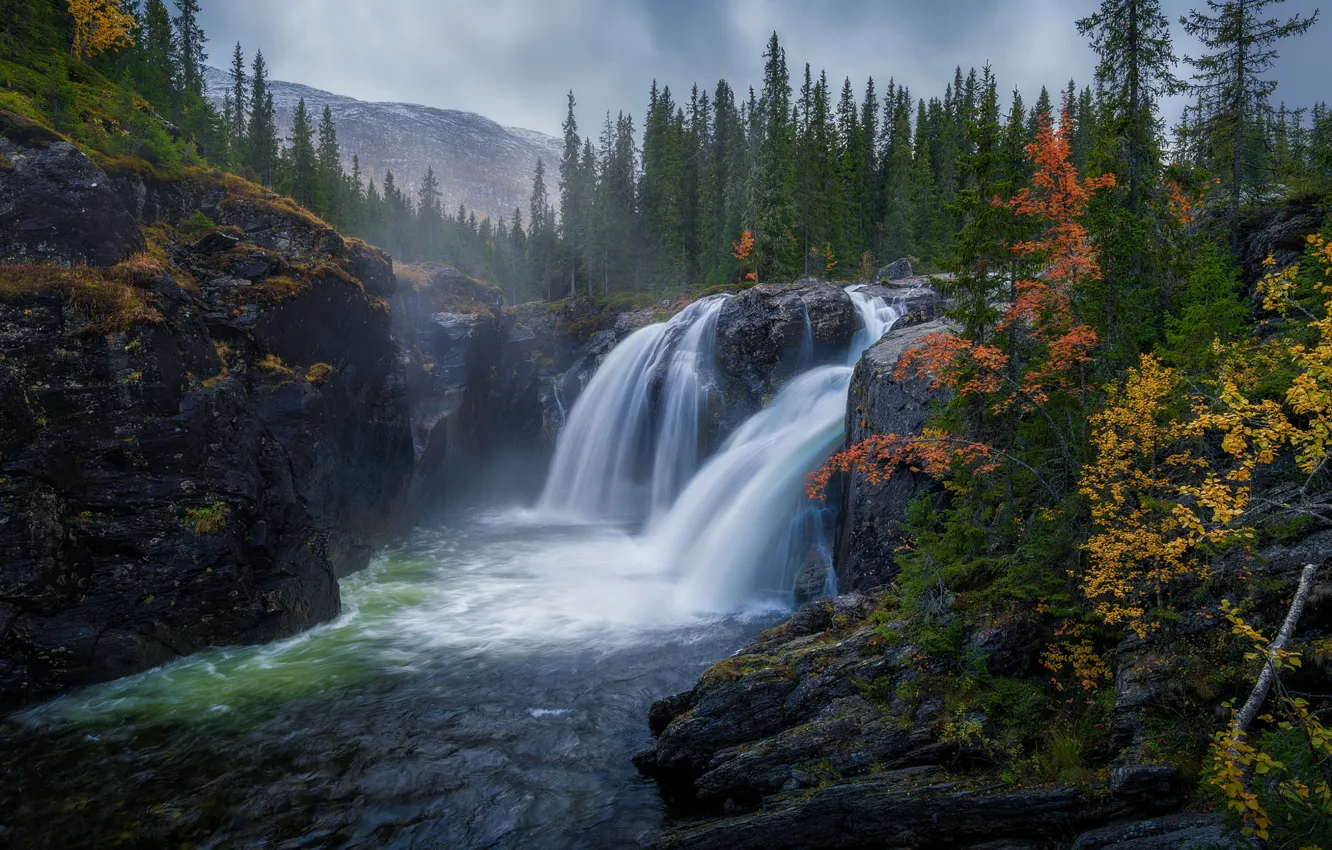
(981,243)
(571,202)
(190,41)
(540,235)
(262,143)
(895,231)
(1230,81)
(302,171)
(1136,70)
(156,77)
(328,157)
(430,216)
(240,98)
(774,214)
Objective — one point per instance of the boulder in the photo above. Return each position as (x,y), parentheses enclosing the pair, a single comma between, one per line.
(897,270)
(879,403)
(1174,832)
(898,809)
(55,204)
(771,332)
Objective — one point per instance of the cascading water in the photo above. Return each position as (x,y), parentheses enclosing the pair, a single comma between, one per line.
(595,473)
(486,683)
(684,399)
(877,317)
(728,535)
(742,526)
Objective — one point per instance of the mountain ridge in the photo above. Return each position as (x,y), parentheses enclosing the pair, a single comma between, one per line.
(480,163)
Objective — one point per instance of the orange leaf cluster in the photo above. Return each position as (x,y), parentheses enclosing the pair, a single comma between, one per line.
(932,452)
(1042,310)
(1043,307)
(742,249)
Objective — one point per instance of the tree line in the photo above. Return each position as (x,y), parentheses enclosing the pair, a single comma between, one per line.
(826,181)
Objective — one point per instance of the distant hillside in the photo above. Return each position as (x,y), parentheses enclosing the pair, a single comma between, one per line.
(479,163)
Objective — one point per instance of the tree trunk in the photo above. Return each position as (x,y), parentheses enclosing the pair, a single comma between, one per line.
(1268,675)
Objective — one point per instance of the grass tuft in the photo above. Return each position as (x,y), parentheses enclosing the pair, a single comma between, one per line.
(114,299)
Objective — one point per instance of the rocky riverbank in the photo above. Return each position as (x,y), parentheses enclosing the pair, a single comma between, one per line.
(214,405)
(896,716)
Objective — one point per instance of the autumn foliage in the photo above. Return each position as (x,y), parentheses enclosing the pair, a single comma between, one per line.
(742,251)
(1048,342)
(99,25)
(1171,480)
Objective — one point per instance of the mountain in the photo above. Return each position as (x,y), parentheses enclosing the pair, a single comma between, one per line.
(479,163)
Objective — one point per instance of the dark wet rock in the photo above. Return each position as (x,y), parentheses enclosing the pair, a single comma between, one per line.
(898,809)
(812,580)
(879,403)
(55,204)
(761,339)
(1011,648)
(201,479)
(899,270)
(217,241)
(787,712)
(1279,232)
(1185,832)
(1147,786)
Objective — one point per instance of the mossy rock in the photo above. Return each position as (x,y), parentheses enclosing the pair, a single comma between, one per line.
(23,131)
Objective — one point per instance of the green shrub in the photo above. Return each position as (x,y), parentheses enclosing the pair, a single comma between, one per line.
(209,520)
(196,222)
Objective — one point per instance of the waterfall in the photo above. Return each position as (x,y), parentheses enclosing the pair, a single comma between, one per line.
(728,536)
(740,525)
(877,317)
(600,454)
(684,401)
(745,525)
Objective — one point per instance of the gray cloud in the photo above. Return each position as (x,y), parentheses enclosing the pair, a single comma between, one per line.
(514,60)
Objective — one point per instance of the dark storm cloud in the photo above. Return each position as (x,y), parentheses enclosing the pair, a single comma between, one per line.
(514,60)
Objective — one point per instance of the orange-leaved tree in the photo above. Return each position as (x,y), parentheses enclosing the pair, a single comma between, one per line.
(99,25)
(1040,351)
(743,251)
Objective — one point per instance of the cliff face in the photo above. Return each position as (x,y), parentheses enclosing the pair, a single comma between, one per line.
(196,439)
(881,403)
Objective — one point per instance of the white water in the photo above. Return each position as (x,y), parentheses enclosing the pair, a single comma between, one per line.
(742,525)
(684,400)
(594,474)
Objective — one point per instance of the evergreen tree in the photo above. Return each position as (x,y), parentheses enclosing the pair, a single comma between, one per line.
(923,200)
(1043,107)
(155,77)
(190,40)
(571,197)
(540,235)
(301,179)
(430,216)
(982,241)
(774,213)
(262,144)
(240,97)
(332,184)
(895,237)
(1136,70)
(1230,81)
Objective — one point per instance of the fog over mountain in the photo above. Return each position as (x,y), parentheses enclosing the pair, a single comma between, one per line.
(479,163)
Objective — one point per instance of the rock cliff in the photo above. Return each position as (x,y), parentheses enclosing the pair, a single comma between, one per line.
(199,432)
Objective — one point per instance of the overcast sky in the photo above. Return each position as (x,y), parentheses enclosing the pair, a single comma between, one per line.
(514,60)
